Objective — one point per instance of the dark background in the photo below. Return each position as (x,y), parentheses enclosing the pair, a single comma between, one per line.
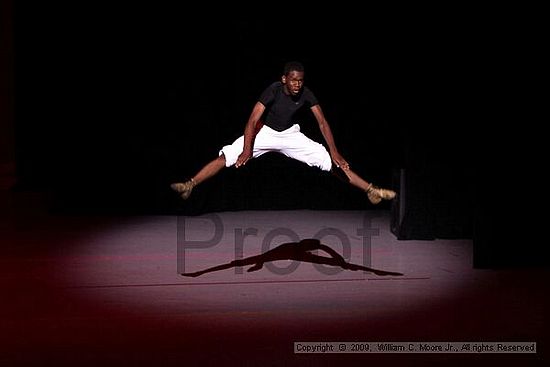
(115,102)
(121,101)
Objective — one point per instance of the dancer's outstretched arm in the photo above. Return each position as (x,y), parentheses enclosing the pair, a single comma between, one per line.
(250,132)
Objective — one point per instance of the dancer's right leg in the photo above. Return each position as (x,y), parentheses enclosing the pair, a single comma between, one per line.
(209,170)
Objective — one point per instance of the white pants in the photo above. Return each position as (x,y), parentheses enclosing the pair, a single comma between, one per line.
(290,142)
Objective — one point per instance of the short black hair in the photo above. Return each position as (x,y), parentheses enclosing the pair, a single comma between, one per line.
(293,66)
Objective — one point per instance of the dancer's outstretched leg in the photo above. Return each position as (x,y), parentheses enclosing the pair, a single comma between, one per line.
(209,170)
(374,193)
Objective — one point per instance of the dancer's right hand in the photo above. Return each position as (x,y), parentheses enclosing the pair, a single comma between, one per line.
(243,158)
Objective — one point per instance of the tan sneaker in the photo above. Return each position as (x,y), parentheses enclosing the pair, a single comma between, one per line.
(183,188)
(376,194)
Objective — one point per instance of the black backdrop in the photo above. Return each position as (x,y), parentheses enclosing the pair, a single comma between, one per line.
(116,102)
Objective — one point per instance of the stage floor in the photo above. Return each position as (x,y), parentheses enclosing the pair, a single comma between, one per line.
(108,290)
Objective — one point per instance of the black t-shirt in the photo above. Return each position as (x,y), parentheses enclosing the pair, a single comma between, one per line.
(281,107)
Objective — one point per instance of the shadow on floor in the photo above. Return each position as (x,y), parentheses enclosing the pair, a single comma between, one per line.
(299,251)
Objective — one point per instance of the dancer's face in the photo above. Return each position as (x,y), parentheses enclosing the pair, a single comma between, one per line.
(293,81)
